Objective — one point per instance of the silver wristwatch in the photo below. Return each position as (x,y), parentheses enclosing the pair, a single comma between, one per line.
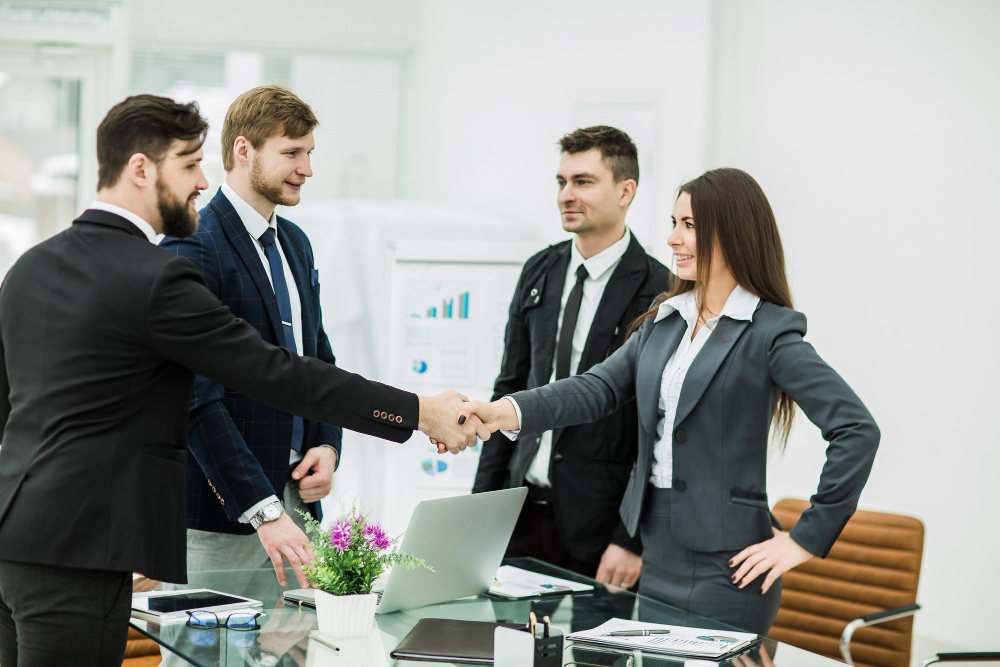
(269,512)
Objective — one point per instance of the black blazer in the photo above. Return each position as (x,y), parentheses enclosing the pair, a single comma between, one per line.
(100,335)
(590,463)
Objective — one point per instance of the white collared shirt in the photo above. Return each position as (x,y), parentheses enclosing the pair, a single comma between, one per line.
(143,226)
(256,225)
(741,305)
(600,267)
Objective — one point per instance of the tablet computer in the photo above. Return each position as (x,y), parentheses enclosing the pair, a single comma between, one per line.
(172,605)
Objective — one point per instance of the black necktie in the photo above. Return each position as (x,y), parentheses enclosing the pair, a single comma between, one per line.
(564,348)
(267,239)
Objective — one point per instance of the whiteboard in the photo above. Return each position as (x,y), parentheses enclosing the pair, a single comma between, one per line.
(448,313)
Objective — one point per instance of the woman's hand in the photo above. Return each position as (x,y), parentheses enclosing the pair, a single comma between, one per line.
(779,555)
(499,414)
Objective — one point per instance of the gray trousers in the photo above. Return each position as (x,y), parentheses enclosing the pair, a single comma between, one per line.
(695,581)
(52,615)
(220,551)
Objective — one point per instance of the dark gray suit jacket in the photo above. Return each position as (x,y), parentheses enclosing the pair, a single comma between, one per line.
(719,500)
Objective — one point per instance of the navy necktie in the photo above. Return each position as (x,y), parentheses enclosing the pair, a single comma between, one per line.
(267,239)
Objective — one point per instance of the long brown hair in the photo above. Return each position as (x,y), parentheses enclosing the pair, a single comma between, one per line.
(730,210)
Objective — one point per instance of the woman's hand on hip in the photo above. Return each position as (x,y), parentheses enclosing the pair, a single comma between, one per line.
(775,556)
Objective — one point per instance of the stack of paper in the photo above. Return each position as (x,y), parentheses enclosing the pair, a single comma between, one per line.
(679,641)
(513,583)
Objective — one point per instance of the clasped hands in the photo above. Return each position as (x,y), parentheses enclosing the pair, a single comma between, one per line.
(477,418)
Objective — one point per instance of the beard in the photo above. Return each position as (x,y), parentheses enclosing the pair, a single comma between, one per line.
(178,219)
(269,190)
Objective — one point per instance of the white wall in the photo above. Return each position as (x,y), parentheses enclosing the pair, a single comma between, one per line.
(873,129)
(871,126)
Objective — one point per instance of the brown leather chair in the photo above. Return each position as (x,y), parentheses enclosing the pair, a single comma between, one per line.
(869,577)
(141,651)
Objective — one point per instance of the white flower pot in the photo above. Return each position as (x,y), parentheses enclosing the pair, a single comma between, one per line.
(345,615)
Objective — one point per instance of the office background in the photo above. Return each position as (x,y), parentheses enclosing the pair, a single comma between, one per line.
(871,126)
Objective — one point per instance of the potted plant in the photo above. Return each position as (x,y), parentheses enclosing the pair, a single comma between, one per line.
(350,555)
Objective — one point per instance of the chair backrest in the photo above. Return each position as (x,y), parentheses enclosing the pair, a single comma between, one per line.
(873,566)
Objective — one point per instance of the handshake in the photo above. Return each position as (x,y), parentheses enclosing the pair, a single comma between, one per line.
(453,422)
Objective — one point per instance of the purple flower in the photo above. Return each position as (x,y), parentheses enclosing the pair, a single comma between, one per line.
(340,535)
(376,537)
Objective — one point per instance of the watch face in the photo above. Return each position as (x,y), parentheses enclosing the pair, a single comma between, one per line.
(272,512)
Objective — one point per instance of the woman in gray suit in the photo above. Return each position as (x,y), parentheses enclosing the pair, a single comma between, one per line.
(716,365)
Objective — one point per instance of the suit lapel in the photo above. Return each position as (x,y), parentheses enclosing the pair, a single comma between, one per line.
(661,344)
(548,310)
(299,273)
(238,235)
(618,294)
(707,363)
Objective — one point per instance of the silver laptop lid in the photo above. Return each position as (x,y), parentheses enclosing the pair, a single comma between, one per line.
(463,538)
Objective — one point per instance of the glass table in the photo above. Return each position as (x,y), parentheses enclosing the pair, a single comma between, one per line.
(283,636)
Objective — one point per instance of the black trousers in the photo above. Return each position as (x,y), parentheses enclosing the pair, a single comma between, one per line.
(51,615)
(536,535)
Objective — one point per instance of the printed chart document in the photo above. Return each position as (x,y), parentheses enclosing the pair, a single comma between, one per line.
(679,641)
(513,583)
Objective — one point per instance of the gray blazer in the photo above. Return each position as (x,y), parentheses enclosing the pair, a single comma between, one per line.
(719,500)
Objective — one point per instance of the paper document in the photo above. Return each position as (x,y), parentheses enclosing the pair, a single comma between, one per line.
(515,583)
(679,641)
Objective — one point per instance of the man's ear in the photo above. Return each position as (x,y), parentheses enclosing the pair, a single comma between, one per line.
(141,170)
(241,151)
(627,192)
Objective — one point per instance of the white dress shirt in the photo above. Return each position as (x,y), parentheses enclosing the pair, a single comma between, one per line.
(741,305)
(256,225)
(143,226)
(600,267)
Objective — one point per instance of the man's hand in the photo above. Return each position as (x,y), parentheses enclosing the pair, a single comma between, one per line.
(283,539)
(315,473)
(440,420)
(619,567)
(779,555)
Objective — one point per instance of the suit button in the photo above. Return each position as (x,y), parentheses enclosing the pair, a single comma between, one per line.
(399,419)
(375,414)
(534,292)
(681,436)
(382,415)
(680,485)
(557,457)
(537,298)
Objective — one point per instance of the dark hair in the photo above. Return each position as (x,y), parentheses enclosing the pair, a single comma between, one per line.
(145,124)
(730,209)
(617,149)
(261,113)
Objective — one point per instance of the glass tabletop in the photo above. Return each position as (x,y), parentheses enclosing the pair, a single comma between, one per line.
(283,635)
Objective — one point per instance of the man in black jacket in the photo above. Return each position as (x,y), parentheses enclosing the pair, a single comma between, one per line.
(101,333)
(572,308)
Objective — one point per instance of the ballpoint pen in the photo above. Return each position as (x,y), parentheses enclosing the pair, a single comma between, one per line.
(532,623)
(547,622)
(323,640)
(637,633)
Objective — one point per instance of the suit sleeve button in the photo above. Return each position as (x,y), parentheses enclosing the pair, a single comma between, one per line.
(680,485)
(557,457)
(375,414)
(383,415)
(681,436)
(399,419)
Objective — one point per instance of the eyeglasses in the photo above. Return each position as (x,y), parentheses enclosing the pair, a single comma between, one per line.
(236,621)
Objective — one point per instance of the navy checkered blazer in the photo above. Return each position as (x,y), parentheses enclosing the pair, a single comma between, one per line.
(240,446)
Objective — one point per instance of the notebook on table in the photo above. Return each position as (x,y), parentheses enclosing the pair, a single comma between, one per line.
(447,640)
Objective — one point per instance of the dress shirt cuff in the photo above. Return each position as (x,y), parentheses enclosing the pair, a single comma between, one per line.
(517,408)
(245,517)
(323,444)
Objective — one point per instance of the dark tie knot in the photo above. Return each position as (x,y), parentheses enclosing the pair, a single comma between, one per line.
(581,273)
(268,237)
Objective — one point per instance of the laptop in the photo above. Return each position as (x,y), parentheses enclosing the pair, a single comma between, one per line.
(463,538)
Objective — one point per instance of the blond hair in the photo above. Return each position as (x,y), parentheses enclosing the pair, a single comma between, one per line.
(261,113)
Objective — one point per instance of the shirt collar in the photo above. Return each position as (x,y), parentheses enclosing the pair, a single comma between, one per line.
(603,261)
(255,223)
(143,226)
(741,305)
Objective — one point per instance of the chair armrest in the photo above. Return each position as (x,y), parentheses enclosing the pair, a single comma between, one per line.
(981,656)
(872,619)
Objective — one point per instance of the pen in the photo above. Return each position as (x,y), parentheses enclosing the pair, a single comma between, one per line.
(637,633)
(532,622)
(323,640)
(548,625)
